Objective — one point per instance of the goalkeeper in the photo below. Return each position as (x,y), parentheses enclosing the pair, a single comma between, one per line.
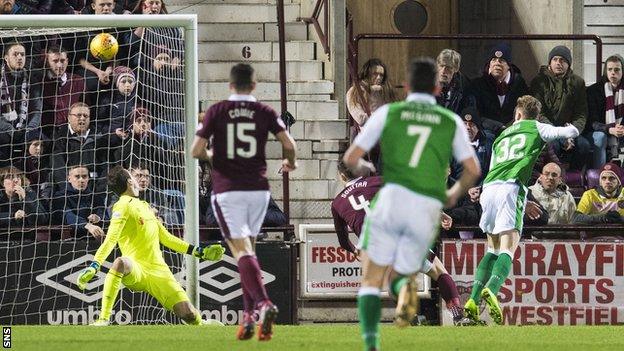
(141,267)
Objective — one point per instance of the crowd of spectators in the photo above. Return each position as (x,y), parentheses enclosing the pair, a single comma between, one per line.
(590,163)
(68,117)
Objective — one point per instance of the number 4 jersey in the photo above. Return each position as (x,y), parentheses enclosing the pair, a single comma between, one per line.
(519,146)
(239,128)
(350,207)
(418,139)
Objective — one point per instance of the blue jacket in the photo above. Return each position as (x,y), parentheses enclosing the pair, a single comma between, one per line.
(71,207)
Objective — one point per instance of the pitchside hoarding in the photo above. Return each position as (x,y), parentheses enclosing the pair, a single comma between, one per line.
(39,286)
(327,270)
(550,283)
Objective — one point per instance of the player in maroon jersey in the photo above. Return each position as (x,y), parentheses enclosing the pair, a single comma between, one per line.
(238,129)
(349,209)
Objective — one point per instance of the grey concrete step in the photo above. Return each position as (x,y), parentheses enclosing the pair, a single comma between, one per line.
(242,32)
(255,51)
(268,90)
(269,71)
(239,13)
(307,110)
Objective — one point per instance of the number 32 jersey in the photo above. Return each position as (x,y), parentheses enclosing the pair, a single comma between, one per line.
(239,128)
(518,147)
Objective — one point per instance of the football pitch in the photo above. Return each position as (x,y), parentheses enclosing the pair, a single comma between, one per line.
(317,337)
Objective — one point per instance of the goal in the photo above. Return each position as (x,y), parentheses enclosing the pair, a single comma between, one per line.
(67,118)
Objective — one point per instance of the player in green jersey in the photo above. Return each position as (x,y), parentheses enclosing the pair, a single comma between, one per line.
(417,139)
(139,233)
(503,200)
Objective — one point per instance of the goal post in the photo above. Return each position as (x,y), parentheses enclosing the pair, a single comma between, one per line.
(190,68)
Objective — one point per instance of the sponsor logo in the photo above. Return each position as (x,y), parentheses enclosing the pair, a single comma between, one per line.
(219,280)
(64,277)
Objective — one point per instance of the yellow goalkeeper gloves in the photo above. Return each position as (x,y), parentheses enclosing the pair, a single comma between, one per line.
(87,274)
(210,253)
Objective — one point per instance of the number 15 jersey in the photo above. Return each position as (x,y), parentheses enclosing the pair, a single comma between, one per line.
(239,128)
(517,148)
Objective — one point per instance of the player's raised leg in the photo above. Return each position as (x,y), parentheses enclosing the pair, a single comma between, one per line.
(500,270)
(484,271)
(251,279)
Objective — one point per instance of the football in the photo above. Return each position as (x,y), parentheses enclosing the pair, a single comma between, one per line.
(104,46)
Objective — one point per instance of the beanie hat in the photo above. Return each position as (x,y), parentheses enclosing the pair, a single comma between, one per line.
(560,50)
(470,114)
(501,50)
(613,169)
(122,71)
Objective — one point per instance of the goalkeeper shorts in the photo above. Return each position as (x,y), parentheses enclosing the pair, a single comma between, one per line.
(158,282)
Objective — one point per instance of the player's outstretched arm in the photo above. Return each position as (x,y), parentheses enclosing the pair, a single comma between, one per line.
(551,133)
(210,253)
(120,216)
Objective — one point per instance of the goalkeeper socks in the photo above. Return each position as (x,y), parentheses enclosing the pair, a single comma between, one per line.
(109,295)
(251,278)
(397,284)
(369,311)
(484,271)
(499,272)
(197,320)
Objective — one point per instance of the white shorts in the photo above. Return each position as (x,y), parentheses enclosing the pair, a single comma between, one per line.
(400,228)
(503,207)
(240,213)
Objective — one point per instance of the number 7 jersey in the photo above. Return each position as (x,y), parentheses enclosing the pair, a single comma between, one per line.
(239,128)
(418,139)
(517,148)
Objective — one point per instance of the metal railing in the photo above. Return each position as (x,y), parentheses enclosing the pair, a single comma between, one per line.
(323,33)
(391,36)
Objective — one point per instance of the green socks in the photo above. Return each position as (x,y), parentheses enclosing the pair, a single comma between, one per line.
(111,290)
(397,284)
(369,310)
(499,272)
(484,270)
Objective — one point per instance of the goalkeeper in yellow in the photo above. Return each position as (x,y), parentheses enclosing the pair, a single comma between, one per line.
(139,233)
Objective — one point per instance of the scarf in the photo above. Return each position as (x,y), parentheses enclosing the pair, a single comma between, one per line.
(614,107)
(9,111)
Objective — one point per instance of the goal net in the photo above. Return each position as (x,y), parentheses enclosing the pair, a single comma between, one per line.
(69,114)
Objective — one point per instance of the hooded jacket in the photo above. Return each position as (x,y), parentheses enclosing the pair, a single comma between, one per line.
(564,99)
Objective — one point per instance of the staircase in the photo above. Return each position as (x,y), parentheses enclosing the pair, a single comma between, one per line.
(246,31)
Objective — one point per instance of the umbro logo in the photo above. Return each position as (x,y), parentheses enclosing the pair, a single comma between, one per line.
(219,280)
(64,277)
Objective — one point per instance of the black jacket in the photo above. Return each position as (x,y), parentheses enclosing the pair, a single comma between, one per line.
(36,213)
(458,95)
(493,115)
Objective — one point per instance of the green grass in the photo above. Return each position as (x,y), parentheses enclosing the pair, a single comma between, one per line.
(318,337)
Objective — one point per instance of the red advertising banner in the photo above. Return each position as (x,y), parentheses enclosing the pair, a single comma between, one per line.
(550,283)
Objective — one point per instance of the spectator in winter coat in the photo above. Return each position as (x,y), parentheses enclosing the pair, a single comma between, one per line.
(77,206)
(480,140)
(19,206)
(563,98)
(605,203)
(605,103)
(498,89)
(455,94)
(553,195)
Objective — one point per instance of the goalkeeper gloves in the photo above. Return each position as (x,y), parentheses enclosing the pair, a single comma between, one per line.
(87,274)
(210,253)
